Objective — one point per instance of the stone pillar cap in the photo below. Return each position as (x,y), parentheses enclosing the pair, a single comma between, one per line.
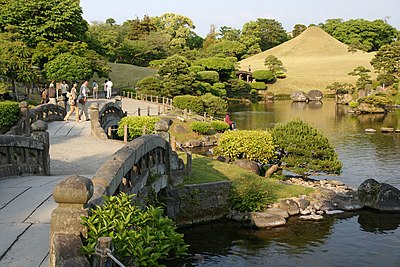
(73,190)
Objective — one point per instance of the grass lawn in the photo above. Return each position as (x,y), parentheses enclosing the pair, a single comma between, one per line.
(206,170)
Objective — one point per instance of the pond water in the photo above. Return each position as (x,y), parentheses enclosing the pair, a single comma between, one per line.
(351,239)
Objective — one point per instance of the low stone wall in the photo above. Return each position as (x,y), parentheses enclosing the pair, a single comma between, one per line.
(25,154)
(192,204)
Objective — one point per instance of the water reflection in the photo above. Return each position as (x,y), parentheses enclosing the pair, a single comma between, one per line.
(378,222)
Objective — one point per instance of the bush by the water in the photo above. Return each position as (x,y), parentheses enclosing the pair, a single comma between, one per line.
(9,114)
(258,85)
(140,238)
(219,126)
(254,145)
(189,102)
(200,127)
(251,194)
(213,105)
(378,100)
(135,126)
(308,149)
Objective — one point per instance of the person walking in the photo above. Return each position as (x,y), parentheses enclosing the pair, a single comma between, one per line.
(64,92)
(105,89)
(82,99)
(52,94)
(72,102)
(44,94)
(95,88)
(109,88)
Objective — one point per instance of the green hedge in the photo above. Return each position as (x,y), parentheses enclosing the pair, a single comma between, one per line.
(219,126)
(208,76)
(189,102)
(196,69)
(258,85)
(135,126)
(200,127)
(243,144)
(266,76)
(309,150)
(214,105)
(9,114)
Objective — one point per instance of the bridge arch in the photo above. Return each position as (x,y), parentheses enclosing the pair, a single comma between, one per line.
(110,115)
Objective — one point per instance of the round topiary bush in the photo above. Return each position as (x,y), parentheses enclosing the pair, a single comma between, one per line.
(254,145)
(219,126)
(200,127)
(265,76)
(308,149)
(189,102)
(258,85)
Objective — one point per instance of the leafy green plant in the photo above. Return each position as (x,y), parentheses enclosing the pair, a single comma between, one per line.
(250,195)
(9,114)
(140,238)
(266,76)
(200,127)
(258,85)
(135,126)
(353,104)
(213,105)
(308,149)
(189,102)
(219,126)
(376,100)
(208,76)
(243,144)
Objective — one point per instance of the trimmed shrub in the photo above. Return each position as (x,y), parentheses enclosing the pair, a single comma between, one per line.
(308,149)
(9,114)
(258,85)
(280,74)
(379,100)
(135,126)
(218,89)
(140,238)
(250,195)
(150,85)
(219,126)
(196,69)
(213,105)
(200,127)
(156,63)
(243,144)
(265,76)
(189,102)
(208,76)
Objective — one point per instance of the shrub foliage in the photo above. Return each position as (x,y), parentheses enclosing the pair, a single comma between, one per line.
(308,149)
(140,238)
(9,114)
(135,126)
(189,102)
(200,127)
(219,126)
(244,144)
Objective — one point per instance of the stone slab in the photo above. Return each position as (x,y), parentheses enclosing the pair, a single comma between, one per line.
(9,233)
(7,194)
(43,213)
(31,249)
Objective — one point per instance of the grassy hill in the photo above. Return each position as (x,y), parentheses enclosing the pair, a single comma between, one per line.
(124,74)
(313,60)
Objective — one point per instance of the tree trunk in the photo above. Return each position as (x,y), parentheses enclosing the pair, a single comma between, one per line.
(15,90)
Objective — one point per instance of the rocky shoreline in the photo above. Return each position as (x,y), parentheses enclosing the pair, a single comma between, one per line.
(330,197)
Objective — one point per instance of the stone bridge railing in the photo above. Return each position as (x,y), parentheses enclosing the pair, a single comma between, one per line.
(144,164)
(25,148)
(47,112)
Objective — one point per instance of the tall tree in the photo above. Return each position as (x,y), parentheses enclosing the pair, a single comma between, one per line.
(360,33)
(229,33)
(44,20)
(363,77)
(298,29)
(386,61)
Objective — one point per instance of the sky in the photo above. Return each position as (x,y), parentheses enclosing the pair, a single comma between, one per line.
(235,13)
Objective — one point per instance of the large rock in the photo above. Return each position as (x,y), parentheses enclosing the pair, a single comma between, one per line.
(369,108)
(379,196)
(315,95)
(289,205)
(299,96)
(248,165)
(266,220)
(347,201)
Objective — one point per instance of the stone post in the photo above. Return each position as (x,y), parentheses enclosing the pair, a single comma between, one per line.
(39,133)
(96,129)
(162,127)
(25,124)
(118,101)
(71,195)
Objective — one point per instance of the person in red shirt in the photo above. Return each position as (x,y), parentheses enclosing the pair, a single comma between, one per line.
(232,124)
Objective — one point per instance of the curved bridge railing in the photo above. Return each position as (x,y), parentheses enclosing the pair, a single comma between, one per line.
(110,115)
(47,112)
(146,163)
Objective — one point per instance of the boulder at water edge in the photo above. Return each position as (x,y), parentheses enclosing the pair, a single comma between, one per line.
(299,96)
(379,196)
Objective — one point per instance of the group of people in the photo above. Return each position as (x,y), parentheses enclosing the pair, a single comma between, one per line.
(74,101)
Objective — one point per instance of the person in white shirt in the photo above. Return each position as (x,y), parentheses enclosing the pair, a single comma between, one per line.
(109,88)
